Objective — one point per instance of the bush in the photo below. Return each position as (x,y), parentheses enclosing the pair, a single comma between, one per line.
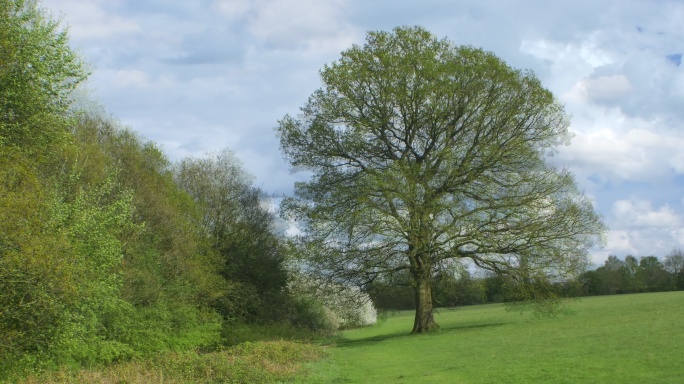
(343,306)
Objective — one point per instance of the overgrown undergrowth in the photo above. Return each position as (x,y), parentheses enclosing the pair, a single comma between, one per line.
(249,362)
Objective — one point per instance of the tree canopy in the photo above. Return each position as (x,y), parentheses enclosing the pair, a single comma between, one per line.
(38,72)
(424,154)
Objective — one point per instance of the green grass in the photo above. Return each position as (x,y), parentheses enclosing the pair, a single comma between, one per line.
(610,339)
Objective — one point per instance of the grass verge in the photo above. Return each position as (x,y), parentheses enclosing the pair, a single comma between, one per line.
(249,362)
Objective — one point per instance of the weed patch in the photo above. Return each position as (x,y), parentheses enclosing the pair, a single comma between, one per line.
(250,362)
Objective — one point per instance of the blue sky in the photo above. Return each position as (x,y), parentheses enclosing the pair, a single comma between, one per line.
(199,76)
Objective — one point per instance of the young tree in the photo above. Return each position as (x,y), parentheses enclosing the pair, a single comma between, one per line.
(422,152)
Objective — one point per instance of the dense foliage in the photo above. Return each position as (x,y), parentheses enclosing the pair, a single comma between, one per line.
(241,234)
(108,251)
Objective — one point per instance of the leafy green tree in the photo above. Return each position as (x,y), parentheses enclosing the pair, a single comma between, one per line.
(422,152)
(241,232)
(44,269)
(169,275)
(34,278)
(94,219)
(38,71)
(60,263)
(101,257)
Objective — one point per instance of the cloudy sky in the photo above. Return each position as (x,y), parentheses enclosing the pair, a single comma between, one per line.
(204,75)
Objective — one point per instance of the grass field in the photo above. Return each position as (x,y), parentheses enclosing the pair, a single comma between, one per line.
(611,339)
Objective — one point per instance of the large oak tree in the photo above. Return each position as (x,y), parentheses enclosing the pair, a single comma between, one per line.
(423,154)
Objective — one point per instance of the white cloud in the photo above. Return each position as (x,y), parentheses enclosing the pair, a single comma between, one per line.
(618,242)
(678,235)
(640,213)
(289,24)
(601,88)
(568,62)
(88,20)
(130,78)
(677,163)
(638,228)
(618,148)
(234,9)
(136,78)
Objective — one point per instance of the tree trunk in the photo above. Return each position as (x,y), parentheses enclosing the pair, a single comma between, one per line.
(424,321)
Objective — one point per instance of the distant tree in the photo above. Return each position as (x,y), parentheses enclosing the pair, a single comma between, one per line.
(454,288)
(590,283)
(647,274)
(612,275)
(652,274)
(674,264)
(392,292)
(629,281)
(423,152)
(241,231)
(495,287)
(346,307)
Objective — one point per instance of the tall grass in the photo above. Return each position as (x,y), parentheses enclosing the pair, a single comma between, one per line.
(249,362)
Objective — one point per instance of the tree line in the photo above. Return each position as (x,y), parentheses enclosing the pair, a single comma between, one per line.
(615,276)
(109,250)
(632,275)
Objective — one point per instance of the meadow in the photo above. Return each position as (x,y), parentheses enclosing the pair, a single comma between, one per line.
(610,339)
(636,338)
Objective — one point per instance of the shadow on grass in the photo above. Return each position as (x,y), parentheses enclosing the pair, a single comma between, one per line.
(344,342)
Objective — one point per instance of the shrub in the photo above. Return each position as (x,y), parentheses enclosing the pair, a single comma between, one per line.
(343,306)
